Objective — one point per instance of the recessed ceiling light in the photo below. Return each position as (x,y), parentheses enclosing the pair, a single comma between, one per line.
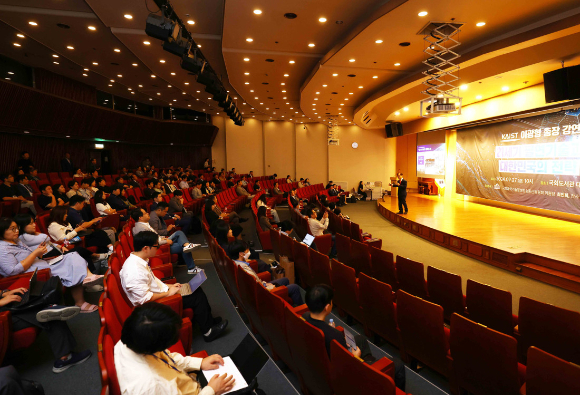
(345,99)
(91,28)
(283,83)
(350,93)
(463,87)
(146,42)
(117,50)
(283,91)
(406,109)
(120,75)
(257,12)
(199,45)
(198,91)
(95,63)
(311,45)
(261,103)
(191,22)
(246,59)
(70,47)
(505,88)
(246,73)
(252,90)
(335,75)
(286,75)
(318,93)
(153,75)
(20,35)
(112,80)
(183,93)
(351,60)
(158,93)
(315,98)
(128,16)
(55,62)
(249,39)
(135,64)
(247,83)
(478,97)
(375,76)
(189,105)
(140,86)
(378,41)
(10,72)
(161,60)
(323,19)
(480,24)
(397,113)
(256,97)
(397,64)
(324,86)
(423,13)
(169,86)
(129,89)
(32,23)
(291,62)
(360,87)
(172,73)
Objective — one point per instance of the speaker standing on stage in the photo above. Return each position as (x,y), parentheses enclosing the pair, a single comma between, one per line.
(402,185)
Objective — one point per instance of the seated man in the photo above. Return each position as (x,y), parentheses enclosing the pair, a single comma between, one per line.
(134,183)
(317,227)
(196,191)
(319,302)
(276,190)
(168,185)
(120,180)
(294,199)
(183,184)
(179,238)
(183,218)
(149,191)
(24,187)
(333,191)
(115,200)
(8,191)
(47,201)
(102,185)
(74,189)
(240,253)
(141,286)
(240,189)
(33,175)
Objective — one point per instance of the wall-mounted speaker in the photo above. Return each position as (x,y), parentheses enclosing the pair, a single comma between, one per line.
(562,84)
(394,129)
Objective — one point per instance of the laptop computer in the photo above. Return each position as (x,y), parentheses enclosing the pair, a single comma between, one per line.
(193,284)
(34,289)
(245,363)
(308,239)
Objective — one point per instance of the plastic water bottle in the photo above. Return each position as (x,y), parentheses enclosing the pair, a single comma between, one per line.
(331,322)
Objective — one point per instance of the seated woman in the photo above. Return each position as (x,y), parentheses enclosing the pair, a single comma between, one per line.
(145,365)
(87,189)
(103,207)
(32,238)
(78,173)
(17,258)
(361,191)
(263,219)
(262,202)
(59,193)
(289,179)
(60,229)
(49,318)
(307,182)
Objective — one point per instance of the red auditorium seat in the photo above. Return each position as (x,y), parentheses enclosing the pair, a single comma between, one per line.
(247,290)
(550,328)
(320,268)
(384,267)
(548,374)
(377,303)
(286,246)
(349,375)
(485,361)
(361,257)
(346,227)
(490,306)
(309,354)
(343,247)
(422,331)
(445,290)
(358,235)
(324,242)
(275,241)
(411,276)
(345,287)
(302,265)
(10,208)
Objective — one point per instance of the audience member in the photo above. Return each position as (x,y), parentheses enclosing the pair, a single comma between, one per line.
(24,163)
(361,191)
(141,286)
(301,183)
(10,192)
(183,184)
(147,164)
(240,253)
(206,163)
(87,189)
(251,174)
(74,189)
(317,227)
(206,189)
(196,191)
(115,200)
(232,217)
(262,201)
(276,191)
(60,193)
(240,189)
(168,186)
(263,219)
(33,175)
(102,185)
(307,182)
(78,173)
(73,222)
(289,179)
(134,182)
(139,172)
(101,204)
(24,186)
(66,164)
(176,210)
(294,201)
(47,200)
(93,165)
(144,364)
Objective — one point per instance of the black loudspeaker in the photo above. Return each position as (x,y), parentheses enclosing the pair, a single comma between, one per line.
(394,129)
(562,84)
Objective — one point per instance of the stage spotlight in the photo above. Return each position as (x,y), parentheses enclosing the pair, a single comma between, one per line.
(179,47)
(194,64)
(161,28)
(221,97)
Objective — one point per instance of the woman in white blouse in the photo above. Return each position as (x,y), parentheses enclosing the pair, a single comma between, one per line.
(102,206)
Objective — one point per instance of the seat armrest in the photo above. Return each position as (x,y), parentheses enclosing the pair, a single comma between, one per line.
(265,276)
(385,366)
(173,301)
(185,334)
(300,310)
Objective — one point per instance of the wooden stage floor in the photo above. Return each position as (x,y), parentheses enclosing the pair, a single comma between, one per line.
(469,228)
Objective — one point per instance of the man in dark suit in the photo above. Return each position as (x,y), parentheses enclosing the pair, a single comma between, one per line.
(402,195)
(66,164)
(24,187)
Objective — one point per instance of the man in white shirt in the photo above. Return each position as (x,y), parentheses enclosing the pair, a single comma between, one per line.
(317,227)
(145,366)
(196,191)
(141,286)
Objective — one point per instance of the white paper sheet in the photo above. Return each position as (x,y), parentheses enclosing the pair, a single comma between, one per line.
(350,342)
(231,369)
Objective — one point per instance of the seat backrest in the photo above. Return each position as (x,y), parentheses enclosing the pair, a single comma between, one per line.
(485,361)
(361,378)
(42,221)
(548,374)
(550,328)
(343,249)
(489,306)
(286,246)
(302,264)
(309,353)
(230,271)
(445,290)
(411,276)
(376,300)
(384,267)
(320,268)
(123,307)
(125,244)
(109,356)
(345,289)
(422,331)
(361,257)
(346,227)
(271,310)
(114,327)
(355,232)
(247,289)
(275,240)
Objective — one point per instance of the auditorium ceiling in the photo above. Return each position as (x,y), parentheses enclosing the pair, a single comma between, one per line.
(301,61)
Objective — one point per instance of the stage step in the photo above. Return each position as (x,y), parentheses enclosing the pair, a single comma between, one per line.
(551,276)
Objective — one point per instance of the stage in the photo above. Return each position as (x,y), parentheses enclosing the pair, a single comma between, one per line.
(546,249)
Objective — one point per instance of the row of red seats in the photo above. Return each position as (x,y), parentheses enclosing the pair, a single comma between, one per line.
(300,345)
